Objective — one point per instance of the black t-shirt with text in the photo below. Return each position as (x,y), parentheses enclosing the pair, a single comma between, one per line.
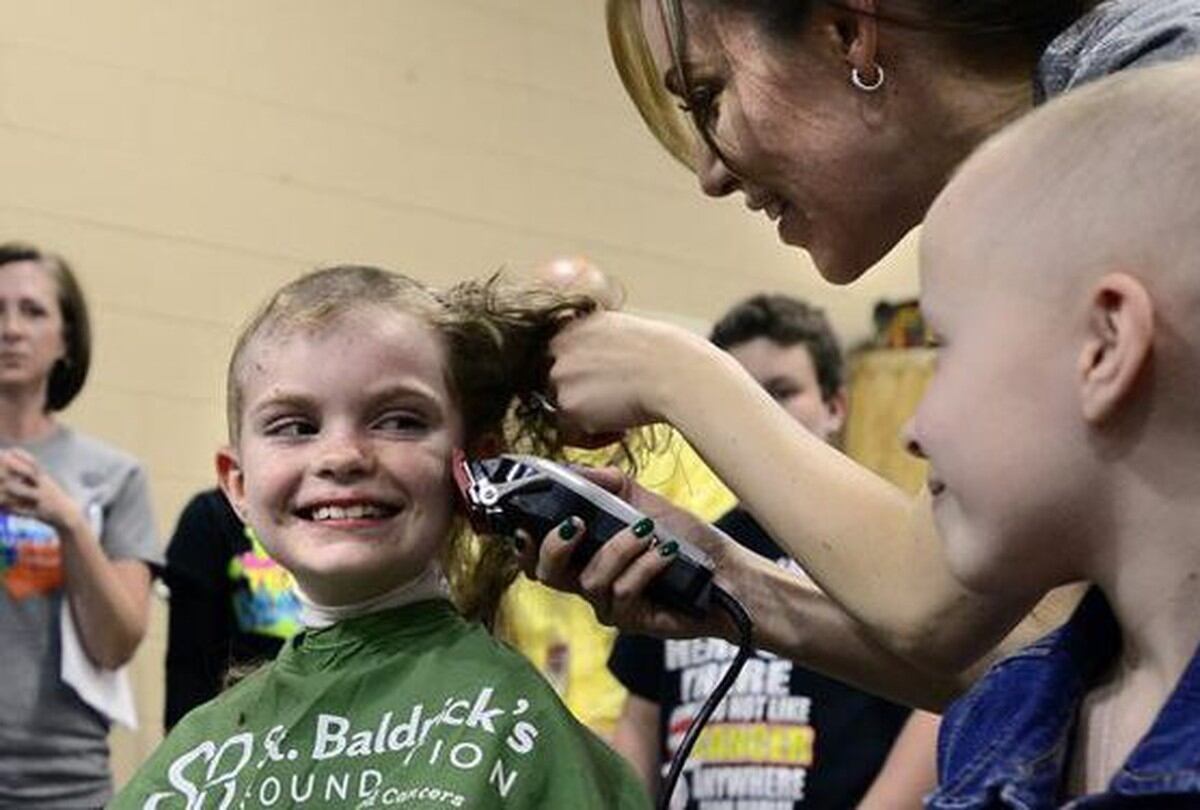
(784,738)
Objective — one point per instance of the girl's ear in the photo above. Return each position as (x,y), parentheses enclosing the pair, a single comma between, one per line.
(1118,344)
(233,483)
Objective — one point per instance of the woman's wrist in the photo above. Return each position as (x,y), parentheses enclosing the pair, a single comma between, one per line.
(680,365)
(737,572)
(70,525)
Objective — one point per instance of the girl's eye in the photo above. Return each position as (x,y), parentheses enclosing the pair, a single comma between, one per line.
(290,428)
(32,309)
(782,394)
(402,422)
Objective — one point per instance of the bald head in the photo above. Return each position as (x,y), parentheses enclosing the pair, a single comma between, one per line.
(1105,179)
(577,275)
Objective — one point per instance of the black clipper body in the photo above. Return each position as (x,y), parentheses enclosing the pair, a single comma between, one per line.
(510,492)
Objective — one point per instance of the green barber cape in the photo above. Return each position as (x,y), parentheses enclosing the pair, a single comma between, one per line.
(412,707)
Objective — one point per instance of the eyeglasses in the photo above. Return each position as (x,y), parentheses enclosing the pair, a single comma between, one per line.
(700,113)
(680,128)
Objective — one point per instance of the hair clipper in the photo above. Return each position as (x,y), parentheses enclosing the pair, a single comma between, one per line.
(510,492)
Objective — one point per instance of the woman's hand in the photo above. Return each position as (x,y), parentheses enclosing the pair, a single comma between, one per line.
(790,616)
(615,579)
(109,600)
(613,371)
(26,489)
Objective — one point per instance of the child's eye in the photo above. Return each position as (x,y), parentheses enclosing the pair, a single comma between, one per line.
(289,428)
(401,422)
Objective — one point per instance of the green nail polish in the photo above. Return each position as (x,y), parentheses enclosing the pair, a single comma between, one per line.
(567,530)
(643,527)
(669,548)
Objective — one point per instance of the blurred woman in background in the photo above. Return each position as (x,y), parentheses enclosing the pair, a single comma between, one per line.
(77,536)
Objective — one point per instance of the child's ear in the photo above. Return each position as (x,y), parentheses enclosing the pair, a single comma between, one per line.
(1119,339)
(233,484)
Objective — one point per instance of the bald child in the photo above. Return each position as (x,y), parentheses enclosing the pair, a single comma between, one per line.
(1061,278)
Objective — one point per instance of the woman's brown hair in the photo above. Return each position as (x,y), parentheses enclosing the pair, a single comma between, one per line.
(987,35)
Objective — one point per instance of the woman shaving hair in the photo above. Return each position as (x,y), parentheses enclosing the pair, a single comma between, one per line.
(841,121)
(347,395)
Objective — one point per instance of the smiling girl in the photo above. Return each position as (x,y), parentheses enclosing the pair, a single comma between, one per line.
(348,394)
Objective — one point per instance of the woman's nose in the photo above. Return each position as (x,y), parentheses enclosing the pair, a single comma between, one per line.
(11,325)
(908,436)
(716,180)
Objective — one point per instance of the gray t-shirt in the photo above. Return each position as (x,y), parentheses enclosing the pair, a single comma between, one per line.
(53,747)
(1115,35)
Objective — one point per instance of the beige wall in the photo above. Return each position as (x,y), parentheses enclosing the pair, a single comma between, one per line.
(188,155)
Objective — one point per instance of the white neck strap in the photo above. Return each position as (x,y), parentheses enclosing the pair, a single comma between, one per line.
(429,585)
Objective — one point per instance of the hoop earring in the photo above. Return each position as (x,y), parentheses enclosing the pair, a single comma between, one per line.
(857,80)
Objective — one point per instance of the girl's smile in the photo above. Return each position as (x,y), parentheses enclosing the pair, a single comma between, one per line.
(343,466)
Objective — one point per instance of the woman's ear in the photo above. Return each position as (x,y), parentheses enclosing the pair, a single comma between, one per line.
(231,480)
(1118,341)
(859,31)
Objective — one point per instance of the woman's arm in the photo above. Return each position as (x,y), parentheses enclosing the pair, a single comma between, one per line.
(109,599)
(791,617)
(870,547)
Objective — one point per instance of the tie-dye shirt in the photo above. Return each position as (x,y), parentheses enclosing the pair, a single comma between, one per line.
(232,606)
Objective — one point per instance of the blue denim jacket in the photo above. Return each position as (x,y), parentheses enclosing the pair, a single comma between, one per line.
(1007,742)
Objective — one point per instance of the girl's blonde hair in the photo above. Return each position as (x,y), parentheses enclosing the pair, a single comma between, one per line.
(494,333)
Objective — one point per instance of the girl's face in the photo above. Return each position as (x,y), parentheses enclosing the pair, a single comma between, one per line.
(31,326)
(829,163)
(343,466)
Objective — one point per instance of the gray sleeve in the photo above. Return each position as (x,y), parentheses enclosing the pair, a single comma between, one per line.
(1160,37)
(128,530)
(1115,36)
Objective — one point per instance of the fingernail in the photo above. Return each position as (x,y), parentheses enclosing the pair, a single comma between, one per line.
(567,529)
(669,548)
(643,527)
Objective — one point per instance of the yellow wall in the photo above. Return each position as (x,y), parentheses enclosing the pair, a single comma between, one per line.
(188,155)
